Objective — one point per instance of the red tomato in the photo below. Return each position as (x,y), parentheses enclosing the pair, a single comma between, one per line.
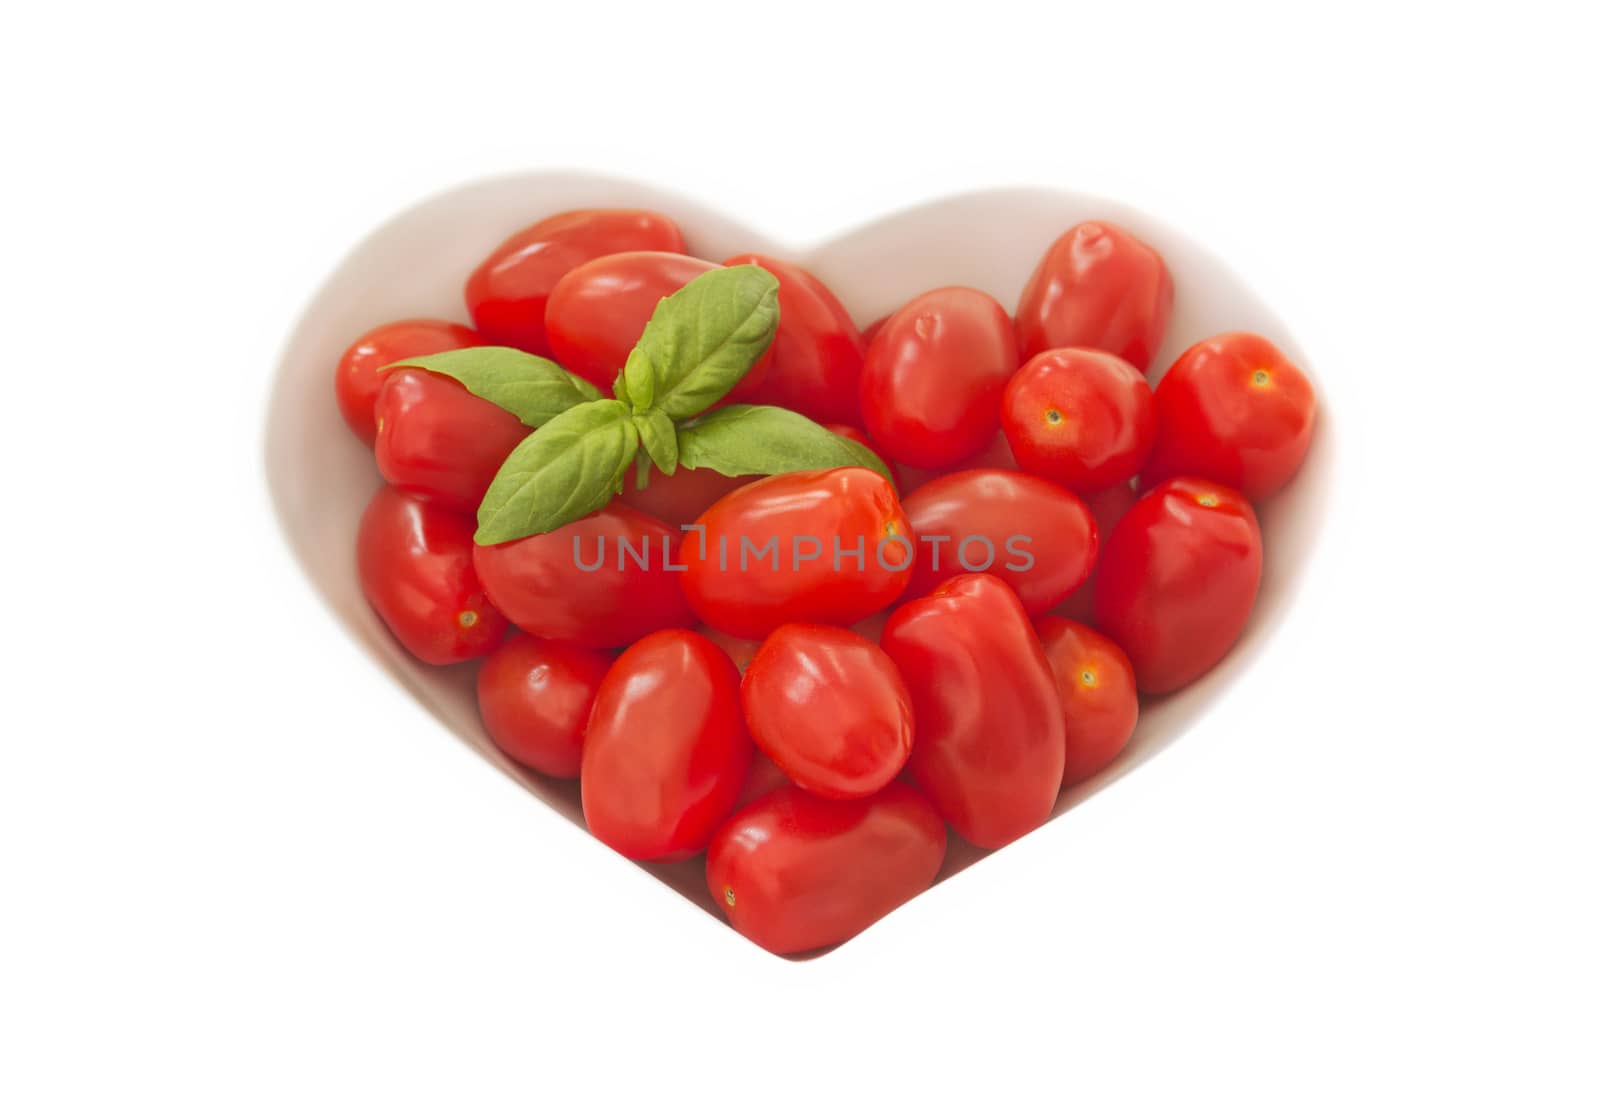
(794,872)
(666,752)
(356,384)
(817,354)
(508,292)
(1233,409)
(765,776)
(414,560)
(1037,537)
(1179,578)
(991,737)
(601,581)
(931,386)
(1107,506)
(439,441)
(1082,418)
(1098,694)
(829,707)
(535,695)
(860,438)
(682,497)
(1097,287)
(598,311)
(738,648)
(828,547)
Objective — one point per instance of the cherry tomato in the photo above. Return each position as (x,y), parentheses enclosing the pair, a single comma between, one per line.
(860,438)
(1097,287)
(991,738)
(765,776)
(817,353)
(1082,418)
(414,559)
(1107,506)
(601,581)
(666,752)
(439,441)
(829,707)
(597,312)
(931,386)
(795,872)
(1233,409)
(356,384)
(1178,580)
(535,695)
(508,291)
(1037,537)
(1098,694)
(829,547)
(682,497)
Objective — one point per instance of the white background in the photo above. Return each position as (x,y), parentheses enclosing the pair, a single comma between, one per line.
(234,858)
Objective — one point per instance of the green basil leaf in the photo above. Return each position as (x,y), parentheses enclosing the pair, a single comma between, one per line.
(532,388)
(659,438)
(748,439)
(566,469)
(702,340)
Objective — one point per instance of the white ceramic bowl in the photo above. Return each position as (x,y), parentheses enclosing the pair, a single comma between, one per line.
(321,477)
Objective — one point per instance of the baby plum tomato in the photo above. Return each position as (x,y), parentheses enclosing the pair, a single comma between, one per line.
(1098,694)
(439,441)
(1036,537)
(666,753)
(1082,418)
(1097,287)
(990,735)
(794,872)
(1233,409)
(931,386)
(414,560)
(358,379)
(584,582)
(1178,580)
(597,312)
(829,547)
(829,707)
(817,353)
(509,290)
(535,695)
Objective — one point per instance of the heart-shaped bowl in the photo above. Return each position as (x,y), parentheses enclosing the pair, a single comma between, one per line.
(321,477)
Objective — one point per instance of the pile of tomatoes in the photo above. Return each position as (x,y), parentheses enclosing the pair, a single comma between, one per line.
(948,651)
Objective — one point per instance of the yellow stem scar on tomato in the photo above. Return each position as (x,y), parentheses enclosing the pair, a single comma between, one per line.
(1260,378)
(1053,416)
(1089,679)
(467,619)
(1208,501)
(727,893)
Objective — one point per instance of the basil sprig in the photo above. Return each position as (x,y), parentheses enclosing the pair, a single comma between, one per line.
(699,344)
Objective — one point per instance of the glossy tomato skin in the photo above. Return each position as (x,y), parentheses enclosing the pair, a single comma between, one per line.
(414,560)
(535,695)
(1100,287)
(1233,409)
(817,353)
(508,293)
(597,312)
(682,497)
(360,375)
(830,708)
(990,734)
(1178,580)
(438,441)
(795,872)
(1037,537)
(933,378)
(1098,694)
(798,514)
(1084,419)
(584,583)
(666,752)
